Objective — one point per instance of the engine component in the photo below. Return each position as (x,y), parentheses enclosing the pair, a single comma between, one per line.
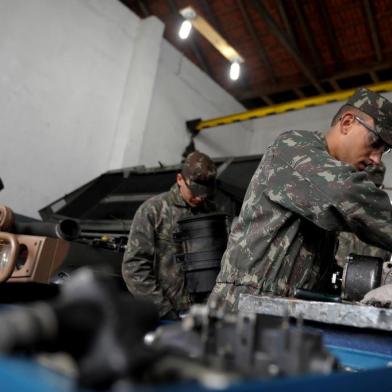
(386,273)
(66,229)
(25,258)
(203,239)
(247,344)
(7,218)
(100,329)
(360,275)
(106,335)
(315,296)
(9,250)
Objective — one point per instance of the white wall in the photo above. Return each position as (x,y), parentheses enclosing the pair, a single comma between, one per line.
(63,67)
(183,92)
(77,81)
(268,128)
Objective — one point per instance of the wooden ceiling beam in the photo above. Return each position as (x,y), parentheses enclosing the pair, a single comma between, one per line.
(144,8)
(374,76)
(267,99)
(259,45)
(214,21)
(245,94)
(299,92)
(287,24)
(260,7)
(361,70)
(203,63)
(244,81)
(308,37)
(333,42)
(334,84)
(270,88)
(373,29)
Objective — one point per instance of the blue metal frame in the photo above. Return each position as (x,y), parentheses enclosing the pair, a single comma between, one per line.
(25,375)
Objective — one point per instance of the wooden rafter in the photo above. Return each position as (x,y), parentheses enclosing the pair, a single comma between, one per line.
(308,36)
(333,42)
(203,63)
(373,29)
(285,42)
(259,45)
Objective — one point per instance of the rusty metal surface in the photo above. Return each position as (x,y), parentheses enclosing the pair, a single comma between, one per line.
(355,315)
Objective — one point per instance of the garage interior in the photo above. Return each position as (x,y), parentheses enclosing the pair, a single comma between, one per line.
(101,103)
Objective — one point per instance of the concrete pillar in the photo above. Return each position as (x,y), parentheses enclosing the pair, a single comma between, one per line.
(138,92)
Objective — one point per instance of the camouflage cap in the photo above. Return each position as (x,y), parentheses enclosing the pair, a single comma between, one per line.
(378,107)
(376,173)
(201,171)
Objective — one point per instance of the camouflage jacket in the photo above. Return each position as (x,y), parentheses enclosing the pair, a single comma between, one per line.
(297,199)
(350,243)
(148,268)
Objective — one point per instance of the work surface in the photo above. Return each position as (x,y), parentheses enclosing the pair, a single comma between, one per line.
(352,333)
(359,316)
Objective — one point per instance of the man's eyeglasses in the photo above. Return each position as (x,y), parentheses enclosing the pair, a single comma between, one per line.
(378,143)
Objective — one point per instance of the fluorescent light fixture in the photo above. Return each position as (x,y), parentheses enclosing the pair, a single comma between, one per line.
(234,70)
(185,29)
(210,34)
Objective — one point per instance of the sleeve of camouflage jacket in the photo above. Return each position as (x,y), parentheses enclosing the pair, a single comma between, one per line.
(138,262)
(331,194)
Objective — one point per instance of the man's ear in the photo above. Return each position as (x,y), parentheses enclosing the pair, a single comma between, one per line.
(346,123)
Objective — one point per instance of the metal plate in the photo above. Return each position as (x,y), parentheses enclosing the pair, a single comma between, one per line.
(326,312)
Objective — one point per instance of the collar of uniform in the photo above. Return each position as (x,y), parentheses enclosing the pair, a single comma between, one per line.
(323,140)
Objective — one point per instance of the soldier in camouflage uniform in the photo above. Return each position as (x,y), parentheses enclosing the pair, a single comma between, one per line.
(307,187)
(349,242)
(148,268)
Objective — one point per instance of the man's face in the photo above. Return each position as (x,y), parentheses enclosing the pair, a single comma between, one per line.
(186,193)
(359,145)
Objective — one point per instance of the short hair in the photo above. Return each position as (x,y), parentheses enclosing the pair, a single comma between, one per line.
(344,109)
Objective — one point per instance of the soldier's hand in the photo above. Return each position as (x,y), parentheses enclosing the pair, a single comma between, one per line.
(381,296)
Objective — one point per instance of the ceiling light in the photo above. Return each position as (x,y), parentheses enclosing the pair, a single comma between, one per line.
(186,26)
(209,33)
(185,29)
(235,69)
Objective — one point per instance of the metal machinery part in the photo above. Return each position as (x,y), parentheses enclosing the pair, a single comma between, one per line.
(66,229)
(9,251)
(386,273)
(46,252)
(203,240)
(98,327)
(346,314)
(360,275)
(245,344)
(25,258)
(7,219)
